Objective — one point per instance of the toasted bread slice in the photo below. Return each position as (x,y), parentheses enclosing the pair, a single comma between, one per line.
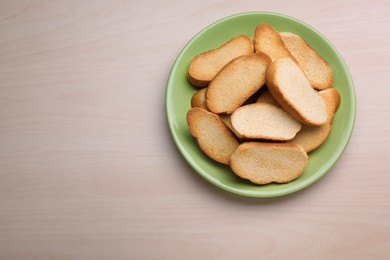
(263,163)
(268,40)
(236,82)
(290,87)
(266,97)
(213,136)
(312,137)
(332,100)
(205,66)
(264,121)
(199,99)
(316,69)
(227,120)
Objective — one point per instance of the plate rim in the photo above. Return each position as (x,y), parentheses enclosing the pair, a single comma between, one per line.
(249,193)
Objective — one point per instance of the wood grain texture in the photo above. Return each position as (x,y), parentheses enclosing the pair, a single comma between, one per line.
(88,169)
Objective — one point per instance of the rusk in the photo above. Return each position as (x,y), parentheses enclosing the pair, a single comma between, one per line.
(227,120)
(316,69)
(290,87)
(206,65)
(199,99)
(312,137)
(236,82)
(213,136)
(268,40)
(263,163)
(264,121)
(332,100)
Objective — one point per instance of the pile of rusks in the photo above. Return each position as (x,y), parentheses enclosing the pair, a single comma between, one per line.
(263,104)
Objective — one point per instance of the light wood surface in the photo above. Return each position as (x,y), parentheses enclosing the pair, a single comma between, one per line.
(88,169)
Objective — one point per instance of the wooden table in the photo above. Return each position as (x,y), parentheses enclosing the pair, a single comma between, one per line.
(88,169)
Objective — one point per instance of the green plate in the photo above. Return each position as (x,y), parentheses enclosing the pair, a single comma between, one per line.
(179,93)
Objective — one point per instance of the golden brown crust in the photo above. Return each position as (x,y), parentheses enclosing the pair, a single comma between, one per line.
(236,82)
(276,88)
(263,163)
(197,82)
(332,100)
(206,65)
(212,135)
(199,99)
(317,70)
(268,40)
(227,120)
(234,79)
(312,137)
(273,84)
